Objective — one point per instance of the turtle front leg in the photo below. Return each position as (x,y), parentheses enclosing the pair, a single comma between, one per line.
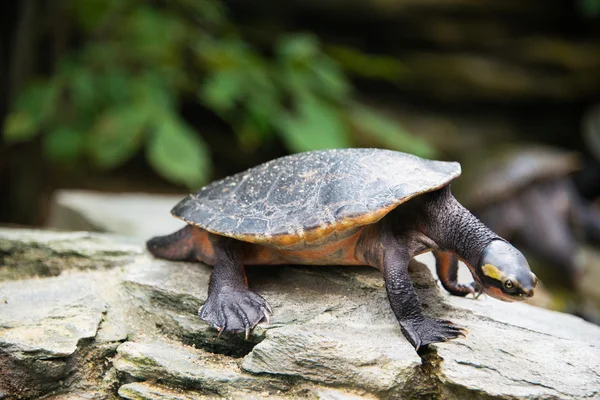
(446,265)
(231,306)
(420,330)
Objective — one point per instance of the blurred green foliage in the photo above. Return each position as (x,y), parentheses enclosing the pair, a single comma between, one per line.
(590,8)
(118,93)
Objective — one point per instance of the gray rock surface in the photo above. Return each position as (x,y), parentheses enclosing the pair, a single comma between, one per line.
(47,318)
(525,354)
(127,328)
(138,215)
(27,253)
(144,390)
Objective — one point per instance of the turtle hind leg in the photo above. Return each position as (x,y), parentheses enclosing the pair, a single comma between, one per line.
(231,306)
(178,246)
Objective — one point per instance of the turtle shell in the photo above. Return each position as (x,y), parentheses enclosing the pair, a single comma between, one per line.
(302,198)
(502,173)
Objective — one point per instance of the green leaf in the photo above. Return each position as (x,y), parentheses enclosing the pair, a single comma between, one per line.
(34,106)
(388,133)
(116,86)
(222,54)
(151,89)
(64,145)
(20,126)
(298,82)
(177,153)
(117,135)
(90,13)
(222,89)
(316,126)
(261,110)
(297,48)
(84,88)
(368,65)
(210,11)
(590,8)
(153,36)
(329,79)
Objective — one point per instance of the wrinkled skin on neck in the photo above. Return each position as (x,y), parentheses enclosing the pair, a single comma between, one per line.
(437,221)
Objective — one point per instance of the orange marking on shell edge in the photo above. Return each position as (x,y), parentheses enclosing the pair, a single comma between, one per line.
(322,231)
(314,235)
(337,252)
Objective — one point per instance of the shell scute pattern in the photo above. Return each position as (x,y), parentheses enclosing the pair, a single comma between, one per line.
(315,193)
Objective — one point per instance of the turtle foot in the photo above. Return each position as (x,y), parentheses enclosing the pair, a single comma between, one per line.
(462,290)
(425,330)
(234,310)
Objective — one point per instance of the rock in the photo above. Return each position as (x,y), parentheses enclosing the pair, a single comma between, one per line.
(46,324)
(92,395)
(338,395)
(47,318)
(42,324)
(147,391)
(376,359)
(185,366)
(181,286)
(133,329)
(521,351)
(136,215)
(353,341)
(174,293)
(27,253)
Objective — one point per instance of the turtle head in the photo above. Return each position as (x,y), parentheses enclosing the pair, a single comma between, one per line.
(504,273)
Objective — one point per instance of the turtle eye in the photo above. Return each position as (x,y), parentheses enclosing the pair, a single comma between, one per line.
(509,285)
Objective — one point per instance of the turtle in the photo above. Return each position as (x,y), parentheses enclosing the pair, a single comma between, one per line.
(356,206)
(526,195)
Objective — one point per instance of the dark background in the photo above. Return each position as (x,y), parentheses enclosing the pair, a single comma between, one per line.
(164,96)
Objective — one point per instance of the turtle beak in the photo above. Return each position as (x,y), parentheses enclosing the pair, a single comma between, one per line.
(528,293)
(534,279)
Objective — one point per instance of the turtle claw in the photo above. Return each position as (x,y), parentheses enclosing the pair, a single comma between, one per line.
(473,288)
(423,331)
(231,310)
(267,313)
(477,290)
